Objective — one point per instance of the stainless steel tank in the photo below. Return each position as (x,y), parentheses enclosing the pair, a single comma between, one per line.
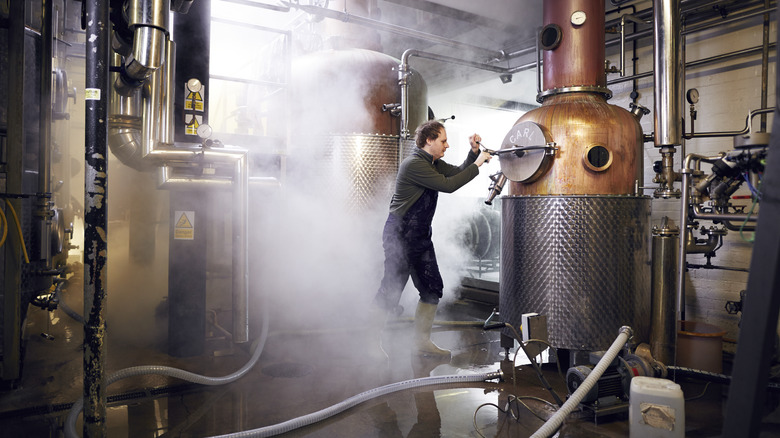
(580,260)
(574,236)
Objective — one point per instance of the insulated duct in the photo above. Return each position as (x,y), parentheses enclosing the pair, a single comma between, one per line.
(141,135)
(148,21)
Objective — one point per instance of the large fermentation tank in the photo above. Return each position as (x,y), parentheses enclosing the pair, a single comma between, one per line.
(575,236)
(346,135)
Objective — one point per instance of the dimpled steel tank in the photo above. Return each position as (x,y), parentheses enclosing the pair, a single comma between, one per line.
(345,140)
(575,237)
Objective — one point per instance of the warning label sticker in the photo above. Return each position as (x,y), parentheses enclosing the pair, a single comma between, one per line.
(194,101)
(194,106)
(184,228)
(192,124)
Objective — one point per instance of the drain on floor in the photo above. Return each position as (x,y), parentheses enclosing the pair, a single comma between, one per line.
(287,369)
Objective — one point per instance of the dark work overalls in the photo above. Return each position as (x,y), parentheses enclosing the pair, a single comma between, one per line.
(409,252)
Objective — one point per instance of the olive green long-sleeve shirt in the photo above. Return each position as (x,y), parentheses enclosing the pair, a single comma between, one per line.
(419,172)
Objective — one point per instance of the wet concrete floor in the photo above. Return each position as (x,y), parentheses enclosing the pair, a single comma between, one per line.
(307,369)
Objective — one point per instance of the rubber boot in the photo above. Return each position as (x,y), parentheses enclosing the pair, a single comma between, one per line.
(377,320)
(423,322)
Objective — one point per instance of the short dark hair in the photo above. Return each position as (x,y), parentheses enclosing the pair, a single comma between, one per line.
(428,130)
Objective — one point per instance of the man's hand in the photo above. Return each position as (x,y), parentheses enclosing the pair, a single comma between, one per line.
(482,158)
(474,142)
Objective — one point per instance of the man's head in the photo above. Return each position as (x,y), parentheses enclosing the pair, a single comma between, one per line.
(432,138)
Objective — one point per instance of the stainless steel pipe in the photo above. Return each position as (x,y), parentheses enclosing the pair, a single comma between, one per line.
(148,142)
(668,72)
(682,250)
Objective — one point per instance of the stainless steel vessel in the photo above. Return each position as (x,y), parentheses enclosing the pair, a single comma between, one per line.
(574,235)
(345,134)
(580,260)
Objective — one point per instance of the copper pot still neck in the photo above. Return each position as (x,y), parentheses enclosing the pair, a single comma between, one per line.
(572,42)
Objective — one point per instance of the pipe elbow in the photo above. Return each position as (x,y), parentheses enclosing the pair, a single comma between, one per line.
(408,53)
(125,143)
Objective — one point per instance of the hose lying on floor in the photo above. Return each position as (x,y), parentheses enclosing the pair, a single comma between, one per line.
(70,421)
(326,413)
(552,424)
(708,376)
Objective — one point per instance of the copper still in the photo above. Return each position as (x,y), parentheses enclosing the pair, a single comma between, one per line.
(346,123)
(575,235)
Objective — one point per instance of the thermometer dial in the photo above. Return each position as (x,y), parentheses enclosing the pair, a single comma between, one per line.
(578,18)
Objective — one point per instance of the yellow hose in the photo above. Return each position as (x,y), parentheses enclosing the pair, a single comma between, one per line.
(19,229)
(4,224)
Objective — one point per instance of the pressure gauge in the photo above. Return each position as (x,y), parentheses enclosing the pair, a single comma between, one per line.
(578,18)
(693,96)
(204,131)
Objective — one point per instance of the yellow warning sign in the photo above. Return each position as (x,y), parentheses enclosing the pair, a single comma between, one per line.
(192,124)
(185,225)
(194,101)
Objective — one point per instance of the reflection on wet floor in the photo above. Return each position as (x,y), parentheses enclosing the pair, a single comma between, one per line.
(307,370)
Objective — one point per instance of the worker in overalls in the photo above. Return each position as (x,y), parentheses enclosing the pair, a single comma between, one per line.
(407,233)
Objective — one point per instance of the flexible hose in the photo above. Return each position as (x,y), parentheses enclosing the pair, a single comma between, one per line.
(65,308)
(326,413)
(708,376)
(70,421)
(19,229)
(552,424)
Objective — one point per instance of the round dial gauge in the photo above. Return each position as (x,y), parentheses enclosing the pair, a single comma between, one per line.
(692,95)
(578,18)
(204,131)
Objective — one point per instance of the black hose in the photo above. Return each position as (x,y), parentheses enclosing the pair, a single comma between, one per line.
(708,376)
(61,304)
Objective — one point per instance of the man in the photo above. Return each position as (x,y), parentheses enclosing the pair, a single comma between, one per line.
(407,233)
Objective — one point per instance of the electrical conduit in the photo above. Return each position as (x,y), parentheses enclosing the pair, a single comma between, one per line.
(552,424)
